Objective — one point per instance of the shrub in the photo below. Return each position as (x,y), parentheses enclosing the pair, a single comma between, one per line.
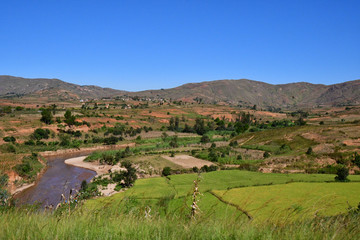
(108,159)
(166,171)
(266,154)
(46,116)
(111,140)
(30,142)
(64,140)
(40,133)
(205,139)
(29,167)
(174,142)
(342,174)
(233,144)
(9,139)
(356,160)
(309,151)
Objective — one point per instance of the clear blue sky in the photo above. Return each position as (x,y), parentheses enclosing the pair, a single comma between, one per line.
(137,45)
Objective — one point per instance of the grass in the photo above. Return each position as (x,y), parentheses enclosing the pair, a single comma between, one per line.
(114,225)
(178,188)
(287,202)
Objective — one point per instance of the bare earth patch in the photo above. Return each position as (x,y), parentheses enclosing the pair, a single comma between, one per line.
(187,161)
(352,142)
(324,148)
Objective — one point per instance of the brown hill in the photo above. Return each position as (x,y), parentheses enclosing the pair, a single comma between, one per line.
(248,92)
(237,92)
(17,86)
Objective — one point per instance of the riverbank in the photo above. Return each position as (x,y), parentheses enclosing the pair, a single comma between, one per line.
(87,150)
(74,161)
(79,162)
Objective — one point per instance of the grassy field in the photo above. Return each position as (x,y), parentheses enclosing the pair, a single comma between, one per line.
(287,202)
(159,208)
(173,195)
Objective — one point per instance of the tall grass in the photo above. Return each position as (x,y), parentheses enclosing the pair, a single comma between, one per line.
(82,224)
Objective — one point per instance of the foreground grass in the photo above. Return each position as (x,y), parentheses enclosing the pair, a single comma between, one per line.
(107,224)
(123,215)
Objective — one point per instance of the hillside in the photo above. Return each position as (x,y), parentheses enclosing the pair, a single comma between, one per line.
(248,92)
(241,92)
(17,87)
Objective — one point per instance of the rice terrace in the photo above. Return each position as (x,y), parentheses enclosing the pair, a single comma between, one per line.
(173,155)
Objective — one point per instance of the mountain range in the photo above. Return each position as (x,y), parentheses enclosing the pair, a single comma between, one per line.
(242,92)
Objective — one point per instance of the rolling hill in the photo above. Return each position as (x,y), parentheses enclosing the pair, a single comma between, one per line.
(17,87)
(242,92)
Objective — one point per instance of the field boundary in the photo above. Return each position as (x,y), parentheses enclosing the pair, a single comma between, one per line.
(232,204)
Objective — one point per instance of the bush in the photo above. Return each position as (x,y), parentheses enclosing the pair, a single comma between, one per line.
(205,139)
(29,167)
(356,160)
(342,174)
(40,133)
(46,116)
(30,142)
(166,171)
(309,151)
(111,140)
(108,159)
(9,139)
(266,154)
(233,144)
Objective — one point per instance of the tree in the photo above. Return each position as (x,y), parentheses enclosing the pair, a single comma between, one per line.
(46,116)
(174,142)
(130,174)
(356,160)
(40,133)
(164,136)
(69,118)
(199,126)
(166,171)
(309,151)
(342,174)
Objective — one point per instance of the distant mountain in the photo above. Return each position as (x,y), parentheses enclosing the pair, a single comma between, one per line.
(237,92)
(248,92)
(17,86)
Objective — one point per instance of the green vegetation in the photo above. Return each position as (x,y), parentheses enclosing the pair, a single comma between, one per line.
(288,202)
(29,168)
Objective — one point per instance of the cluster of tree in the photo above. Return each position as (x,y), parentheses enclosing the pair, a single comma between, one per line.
(112,159)
(29,166)
(125,178)
(205,168)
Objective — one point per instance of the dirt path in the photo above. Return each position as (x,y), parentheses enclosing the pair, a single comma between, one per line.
(187,161)
(247,140)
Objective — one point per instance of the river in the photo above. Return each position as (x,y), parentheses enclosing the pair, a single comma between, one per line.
(58,179)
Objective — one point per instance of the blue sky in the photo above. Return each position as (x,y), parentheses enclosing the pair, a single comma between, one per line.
(138,45)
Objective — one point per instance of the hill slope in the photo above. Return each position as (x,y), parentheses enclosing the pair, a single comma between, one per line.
(248,92)
(17,86)
(238,92)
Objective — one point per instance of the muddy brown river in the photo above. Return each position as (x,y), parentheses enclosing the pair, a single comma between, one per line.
(58,179)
